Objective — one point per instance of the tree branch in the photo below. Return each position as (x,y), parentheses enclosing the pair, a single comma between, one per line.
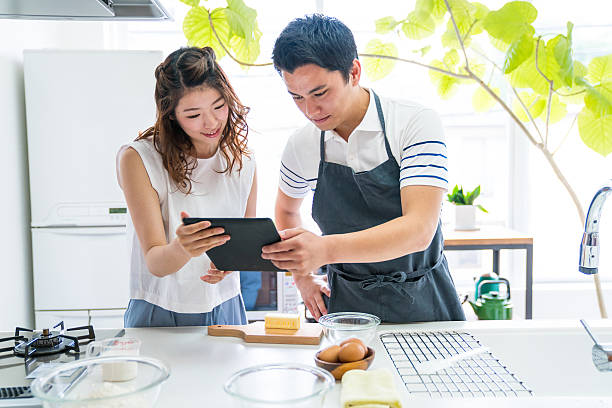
(248,64)
(526,109)
(458,34)
(566,136)
(531,119)
(505,107)
(449,73)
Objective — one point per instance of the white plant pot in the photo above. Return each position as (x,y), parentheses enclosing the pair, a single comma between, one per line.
(465,217)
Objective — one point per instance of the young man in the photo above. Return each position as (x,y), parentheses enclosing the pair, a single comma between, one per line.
(377,167)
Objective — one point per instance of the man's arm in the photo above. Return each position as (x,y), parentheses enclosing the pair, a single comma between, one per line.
(287,214)
(287,211)
(302,251)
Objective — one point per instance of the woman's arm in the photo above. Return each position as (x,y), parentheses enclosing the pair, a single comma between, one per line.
(162,258)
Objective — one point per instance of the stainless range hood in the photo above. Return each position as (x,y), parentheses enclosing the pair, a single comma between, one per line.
(103,10)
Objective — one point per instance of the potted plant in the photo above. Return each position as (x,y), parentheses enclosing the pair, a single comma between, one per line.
(465,210)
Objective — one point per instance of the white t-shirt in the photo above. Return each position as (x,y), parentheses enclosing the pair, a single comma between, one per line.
(414,133)
(212,195)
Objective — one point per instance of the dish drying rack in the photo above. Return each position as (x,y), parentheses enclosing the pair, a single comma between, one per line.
(481,375)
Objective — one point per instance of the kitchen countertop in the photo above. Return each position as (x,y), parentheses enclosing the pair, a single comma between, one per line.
(553,358)
(538,352)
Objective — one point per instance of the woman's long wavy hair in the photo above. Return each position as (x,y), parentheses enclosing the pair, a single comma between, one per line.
(185,70)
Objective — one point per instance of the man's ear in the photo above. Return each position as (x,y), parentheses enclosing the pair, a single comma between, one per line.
(355,73)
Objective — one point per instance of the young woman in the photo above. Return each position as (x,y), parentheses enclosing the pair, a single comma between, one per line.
(193,161)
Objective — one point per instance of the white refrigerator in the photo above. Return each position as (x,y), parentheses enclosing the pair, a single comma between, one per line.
(80,107)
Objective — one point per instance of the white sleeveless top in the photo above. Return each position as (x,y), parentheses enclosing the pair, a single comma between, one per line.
(212,195)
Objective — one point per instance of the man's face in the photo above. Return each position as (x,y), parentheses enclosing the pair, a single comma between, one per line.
(323,96)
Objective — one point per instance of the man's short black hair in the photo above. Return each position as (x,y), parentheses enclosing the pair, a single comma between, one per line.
(315,39)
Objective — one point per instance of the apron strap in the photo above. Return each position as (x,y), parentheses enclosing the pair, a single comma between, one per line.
(381,118)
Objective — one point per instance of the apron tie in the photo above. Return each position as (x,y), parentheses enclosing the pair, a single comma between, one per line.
(392,280)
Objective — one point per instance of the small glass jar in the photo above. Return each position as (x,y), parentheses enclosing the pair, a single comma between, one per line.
(343,325)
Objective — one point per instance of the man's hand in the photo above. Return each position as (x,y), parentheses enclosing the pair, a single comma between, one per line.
(214,275)
(300,251)
(311,286)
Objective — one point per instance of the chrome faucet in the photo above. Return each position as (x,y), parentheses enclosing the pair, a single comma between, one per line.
(589,247)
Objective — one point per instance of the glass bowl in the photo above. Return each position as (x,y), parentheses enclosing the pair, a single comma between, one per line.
(343,325)
(279,385)
(117,381)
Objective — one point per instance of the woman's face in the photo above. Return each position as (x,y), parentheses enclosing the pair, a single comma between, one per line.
(202,113)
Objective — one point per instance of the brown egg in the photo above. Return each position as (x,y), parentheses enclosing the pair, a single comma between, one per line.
(354,340)
(351,351)
(330,354)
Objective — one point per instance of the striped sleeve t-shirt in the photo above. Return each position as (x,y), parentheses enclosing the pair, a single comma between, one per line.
(415,135)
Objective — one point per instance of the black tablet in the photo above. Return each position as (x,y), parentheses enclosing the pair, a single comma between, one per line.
(243,251)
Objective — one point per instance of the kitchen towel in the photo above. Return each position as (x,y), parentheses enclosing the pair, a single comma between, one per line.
(369,389)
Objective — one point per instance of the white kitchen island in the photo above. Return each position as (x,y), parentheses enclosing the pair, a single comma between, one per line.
(553,358)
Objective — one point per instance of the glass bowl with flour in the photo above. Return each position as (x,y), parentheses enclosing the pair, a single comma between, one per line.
(111,382)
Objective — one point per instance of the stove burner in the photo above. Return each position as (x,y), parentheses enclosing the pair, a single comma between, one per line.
(47,342)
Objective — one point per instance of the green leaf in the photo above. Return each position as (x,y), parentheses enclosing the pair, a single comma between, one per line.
(423,51)
(418,25)
(385,25)
(563,55)
(600,69)
(480,13)
(579,69)
(246,51)
(449,39)
(199,33)
(445,85)
(438,9)
(548,62)
(596,131)
(499,44)
(378,68)
(451,59)
(511,21)
(598,98)
(482,208)
(241,18)
(482,101)
(534,102)
(465,14)
(192,3)
(558,110)
(474,194)
(527,76)
(519,51)
(425,6)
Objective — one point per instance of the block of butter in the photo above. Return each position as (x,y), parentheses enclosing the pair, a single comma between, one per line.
(288,321)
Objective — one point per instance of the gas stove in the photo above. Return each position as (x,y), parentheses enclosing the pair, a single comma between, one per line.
(31,349)
(47,341)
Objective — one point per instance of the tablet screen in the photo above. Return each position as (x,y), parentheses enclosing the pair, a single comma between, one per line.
(243,251)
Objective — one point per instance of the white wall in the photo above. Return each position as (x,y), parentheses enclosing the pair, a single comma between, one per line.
(16,295)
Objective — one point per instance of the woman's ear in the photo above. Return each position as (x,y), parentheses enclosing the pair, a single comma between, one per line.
(171,116)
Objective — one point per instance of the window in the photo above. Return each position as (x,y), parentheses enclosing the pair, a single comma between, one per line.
(519,188)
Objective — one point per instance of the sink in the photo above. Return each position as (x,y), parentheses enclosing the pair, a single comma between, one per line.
(552,362)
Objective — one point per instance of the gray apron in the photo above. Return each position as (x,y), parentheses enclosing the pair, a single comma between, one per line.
(413,288)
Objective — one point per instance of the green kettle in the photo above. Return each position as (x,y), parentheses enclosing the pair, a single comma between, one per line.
(491,306)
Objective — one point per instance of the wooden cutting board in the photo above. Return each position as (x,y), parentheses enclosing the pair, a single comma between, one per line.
(308,333)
